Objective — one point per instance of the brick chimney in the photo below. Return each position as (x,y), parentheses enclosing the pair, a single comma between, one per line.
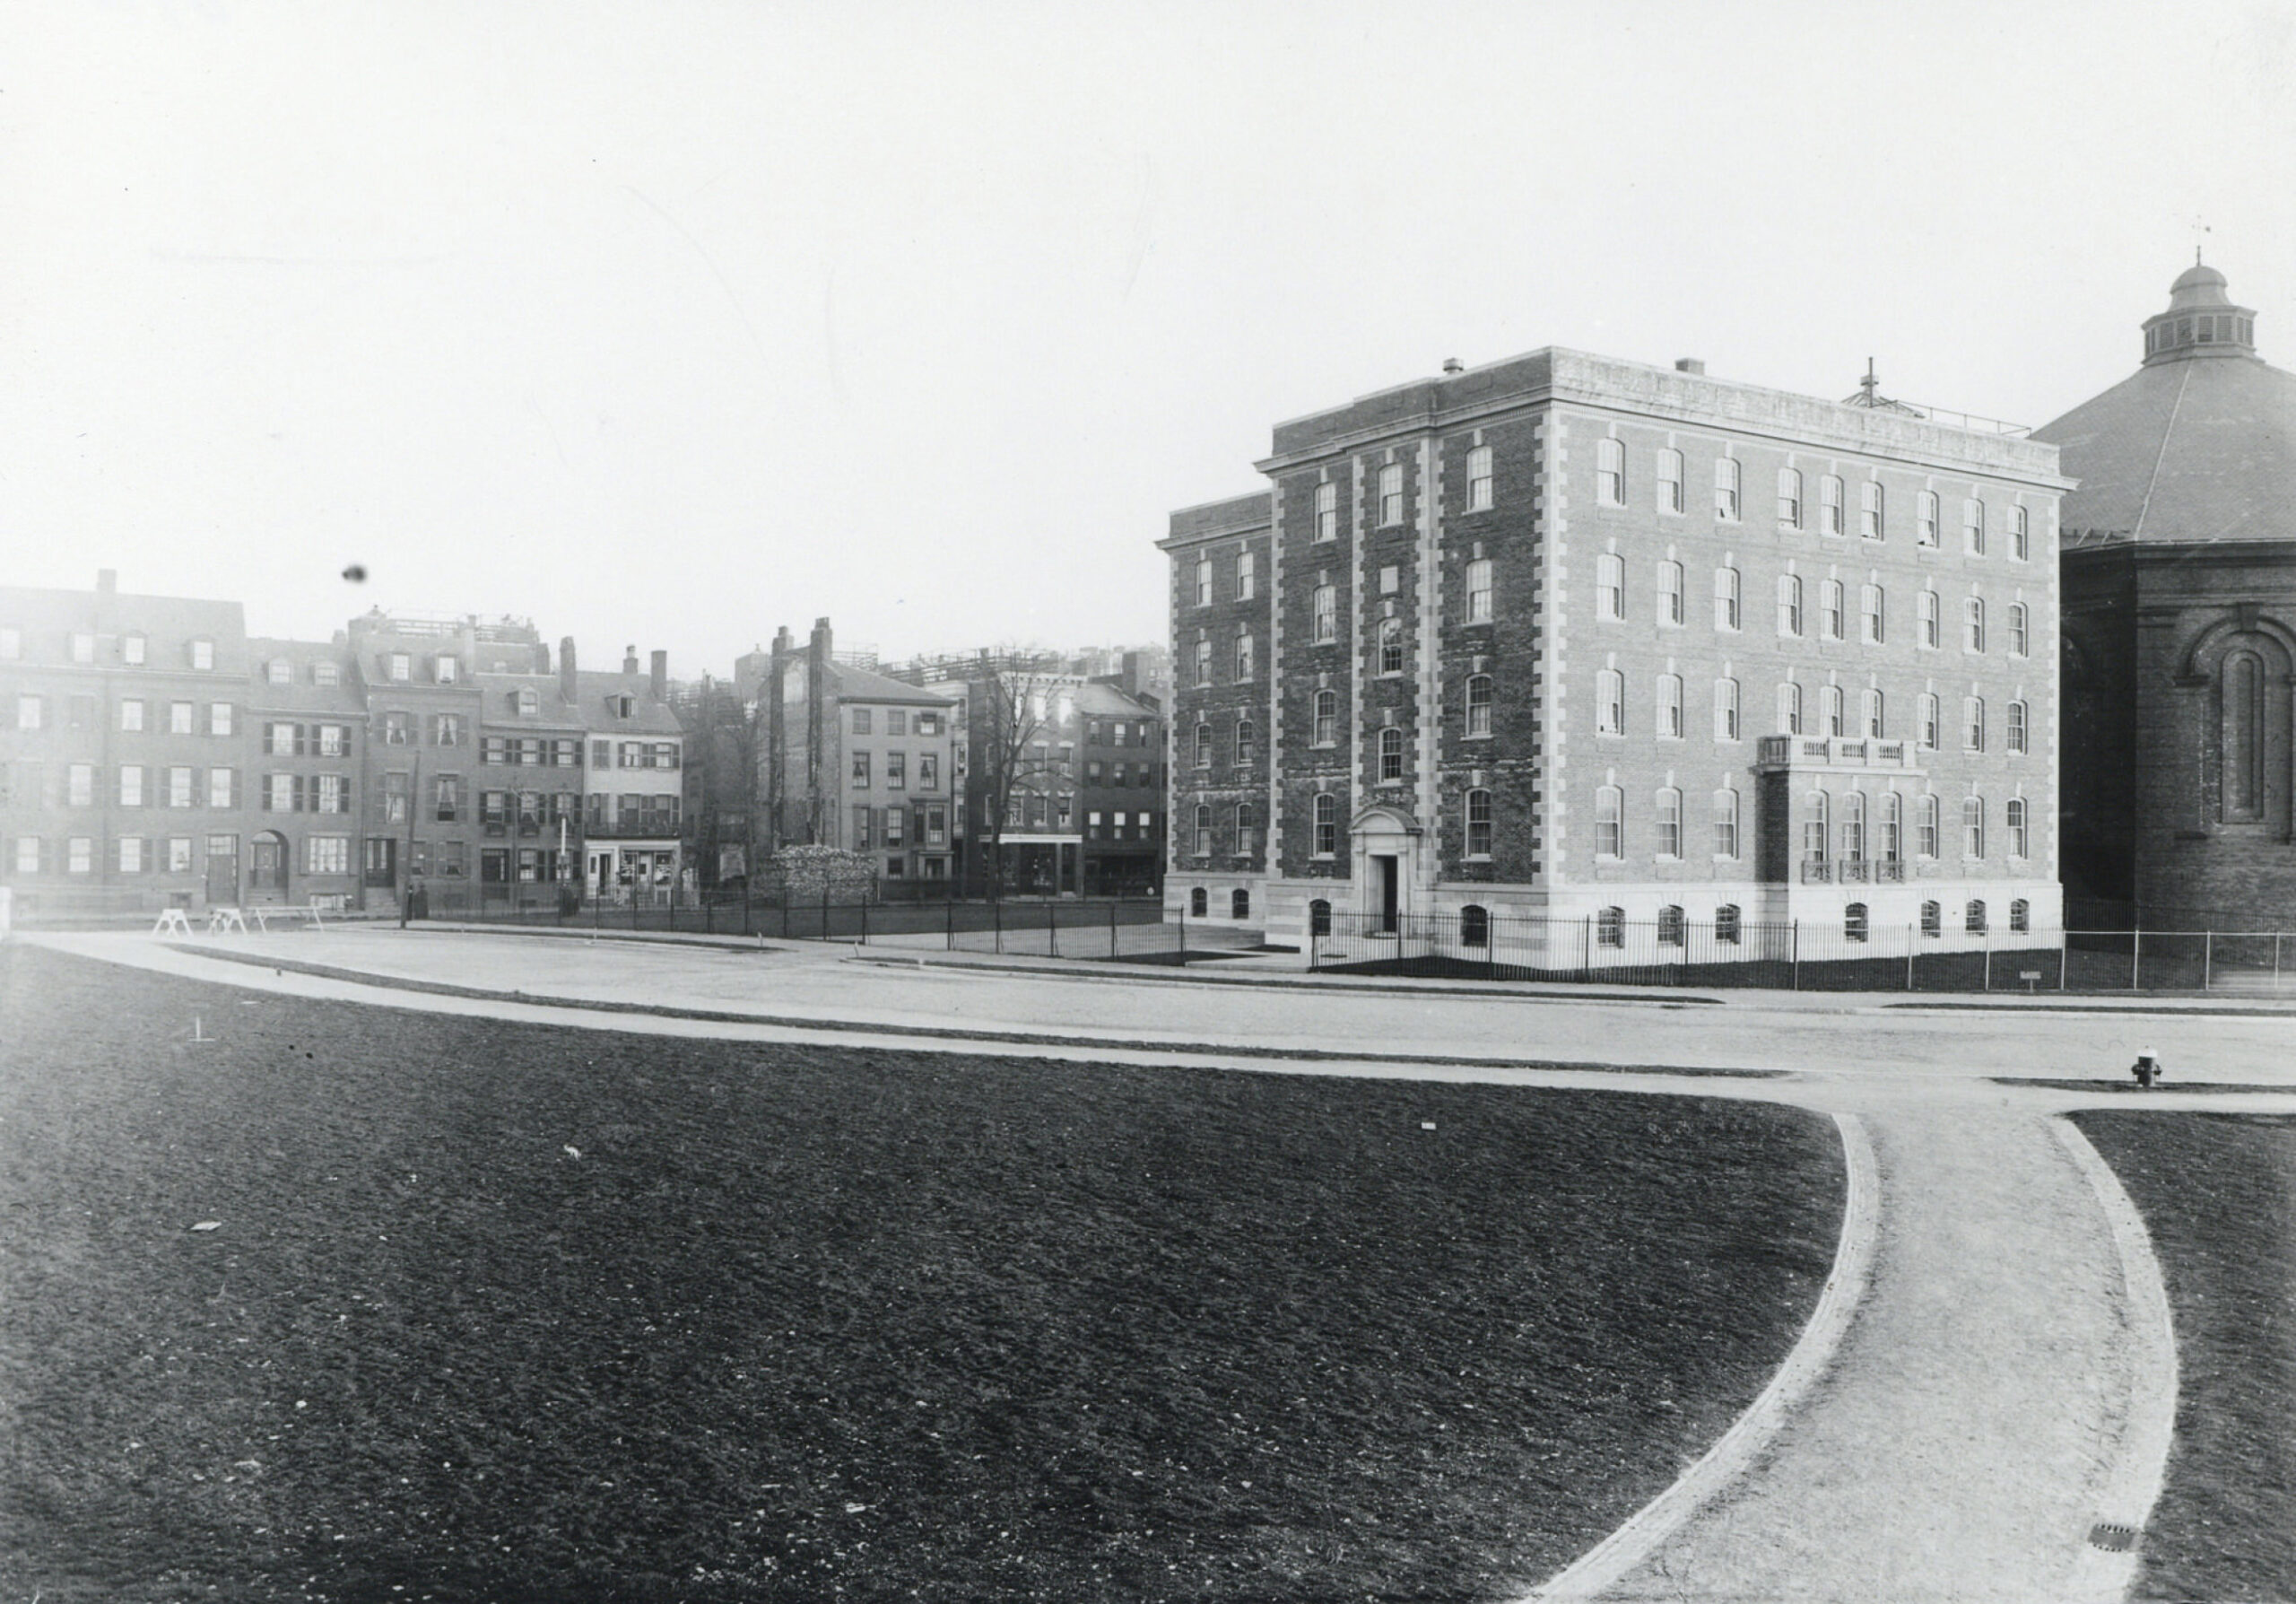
(816,731)
(630,659)
(566,681)
(660,687)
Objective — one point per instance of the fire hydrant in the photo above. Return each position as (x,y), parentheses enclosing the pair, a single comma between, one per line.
(2148,1067)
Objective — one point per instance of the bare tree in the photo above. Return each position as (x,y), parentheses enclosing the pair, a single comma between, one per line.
(726,754)
(1012,698)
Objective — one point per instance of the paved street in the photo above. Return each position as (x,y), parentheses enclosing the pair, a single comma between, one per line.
(2004,1383)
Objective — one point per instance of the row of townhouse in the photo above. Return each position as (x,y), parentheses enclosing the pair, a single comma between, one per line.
(153,753)
(1575,639)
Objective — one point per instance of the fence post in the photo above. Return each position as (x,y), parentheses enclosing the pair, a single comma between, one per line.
(1052,930)
(951,907)
(1909,958)
(2062,948)
(1989,953)
(1795,926)
(2207,959)
(2276,963)
(865,921)
(2136,957)
(1111,927)
(996,911)
(1587,946)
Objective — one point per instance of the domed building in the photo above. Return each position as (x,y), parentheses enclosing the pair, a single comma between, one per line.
(2178,572)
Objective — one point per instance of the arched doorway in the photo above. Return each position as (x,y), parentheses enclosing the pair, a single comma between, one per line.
(267,872)
(1385,844)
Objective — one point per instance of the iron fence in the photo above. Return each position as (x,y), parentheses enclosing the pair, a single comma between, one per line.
(1801,955)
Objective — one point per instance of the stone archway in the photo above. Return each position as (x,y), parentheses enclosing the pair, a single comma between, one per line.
(1387,846)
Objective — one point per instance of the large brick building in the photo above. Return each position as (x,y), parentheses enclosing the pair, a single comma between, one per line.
(1572,637)
(2179,650)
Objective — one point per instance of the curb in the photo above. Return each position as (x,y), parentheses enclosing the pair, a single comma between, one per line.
(2139,1460)
(1737,1449)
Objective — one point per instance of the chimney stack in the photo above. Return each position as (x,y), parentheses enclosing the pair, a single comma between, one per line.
(817,659)
(661,676)
(566,682)
(630,659)
(1452,364)
(1690,364)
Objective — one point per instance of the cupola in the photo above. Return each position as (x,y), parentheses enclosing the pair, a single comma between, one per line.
(2201,321)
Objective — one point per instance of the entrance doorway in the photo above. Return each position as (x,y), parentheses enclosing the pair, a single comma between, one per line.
(1386,885)
(267,878)
(222,871)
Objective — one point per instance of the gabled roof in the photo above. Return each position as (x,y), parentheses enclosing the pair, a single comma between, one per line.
(852,683)
(2182,452)
(347,696)
(593,710)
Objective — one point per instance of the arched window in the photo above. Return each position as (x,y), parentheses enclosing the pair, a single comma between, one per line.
(1478,822)
(1932,716)
(1244,656)
(2015,735)
(1873,611)
(1830,609)
(1204,830)
(1972,826)
(1327,825)
(1892,842)
(1789,605)
(1247,743)
(1870,510)
(1246,576)
(1326,512)
(1247,830)
(1610,473)
(1927,827)
(1933,920)
(1669,817)
(1973,623)
(1670,926)
(1973,918)
(2012,819)
(1973,723)
(1789,497)
(1610,928)
(1391,494)
(1726,598)
(1926,518)
(2019,637)
(1479,479)
(1670,591)
(1204,582)
(1240,903)
(1973,527)
(1204,745)
(1790,709)
(1726,489)
(2021,527)
(2242,738)
(1670,480)
(1479,590)
(1853,826)
(1199,902)
(1873,721)
(1609,585)
(1326,730)
(2020,912)
(1669,707)
(1391,646)
(1831,719)
(1390,755)
(1815,836)
(1830,505)
(1725,924)
(1610,822)
(1478,704)
(1927,609)
(1725,709)
(1853,922)
(1726,823)
(1323,607)
(1203,661)
(1610,702)
(1319,918)
(1474,926)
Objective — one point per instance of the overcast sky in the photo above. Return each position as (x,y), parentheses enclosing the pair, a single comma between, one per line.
(665,324)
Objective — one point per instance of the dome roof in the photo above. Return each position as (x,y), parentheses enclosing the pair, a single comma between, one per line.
(2198,286)
(2182,452)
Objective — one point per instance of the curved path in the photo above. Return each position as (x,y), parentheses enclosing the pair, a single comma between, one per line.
(2005,1384)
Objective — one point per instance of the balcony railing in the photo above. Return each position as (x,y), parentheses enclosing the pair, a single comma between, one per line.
(1852,871)
(1798,751)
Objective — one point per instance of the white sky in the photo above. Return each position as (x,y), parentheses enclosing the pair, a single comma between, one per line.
(667,323)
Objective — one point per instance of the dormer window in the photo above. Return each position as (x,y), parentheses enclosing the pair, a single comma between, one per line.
(398,668)
(447,669)
(83,647)
(529,703)
(325,674)
(132,649)
(202,654)
(625,706)
(279,671)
